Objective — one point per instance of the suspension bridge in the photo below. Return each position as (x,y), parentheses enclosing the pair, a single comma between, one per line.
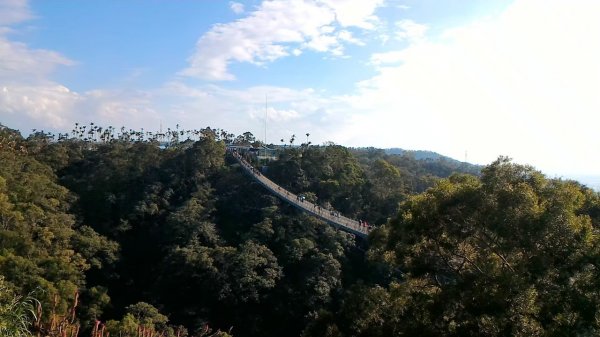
(332,217)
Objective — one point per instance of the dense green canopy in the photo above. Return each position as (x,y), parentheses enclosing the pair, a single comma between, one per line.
(173,237)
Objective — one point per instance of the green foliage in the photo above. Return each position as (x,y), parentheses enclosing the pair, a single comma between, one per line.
(17,313)
(147,315)
(95,248)
(330,172)
(141,318)
(192,220)
(40,244)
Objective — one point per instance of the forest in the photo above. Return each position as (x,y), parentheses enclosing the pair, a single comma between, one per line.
(115,232)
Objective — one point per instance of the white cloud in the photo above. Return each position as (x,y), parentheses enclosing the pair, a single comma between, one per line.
(26,106)
(51,106)
(20,63)
(14,11)
(387,58)
(355,13)
(236,7)
(524,84)
(120,107)
(347,36)
(277,29)
(273,115)
(323,43)
(408,30)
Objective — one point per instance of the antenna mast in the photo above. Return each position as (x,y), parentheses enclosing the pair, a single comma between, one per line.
(266,119)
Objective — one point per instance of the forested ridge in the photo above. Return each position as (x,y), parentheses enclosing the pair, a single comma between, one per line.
(129,233)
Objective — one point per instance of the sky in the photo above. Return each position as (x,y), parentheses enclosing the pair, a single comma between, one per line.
(470,79)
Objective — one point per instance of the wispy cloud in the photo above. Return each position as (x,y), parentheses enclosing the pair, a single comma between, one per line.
(355,13)
(14,11)
(277,29)
(236,7)
(408,30)
(19,63)
(274,115)
(391,57)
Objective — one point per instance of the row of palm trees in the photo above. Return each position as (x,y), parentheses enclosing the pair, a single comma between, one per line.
(97,134)
(93,133)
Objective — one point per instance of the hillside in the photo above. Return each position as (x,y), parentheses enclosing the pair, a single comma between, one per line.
(418,154)
(436,157)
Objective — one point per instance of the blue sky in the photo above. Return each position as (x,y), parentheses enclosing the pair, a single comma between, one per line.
(486,78)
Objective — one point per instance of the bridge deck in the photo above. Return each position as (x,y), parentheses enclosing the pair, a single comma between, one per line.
(332,217)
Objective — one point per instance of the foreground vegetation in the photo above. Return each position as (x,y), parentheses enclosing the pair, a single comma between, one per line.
(114,233)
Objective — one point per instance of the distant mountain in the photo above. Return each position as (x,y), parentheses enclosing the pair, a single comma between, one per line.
(419,154)
(435,157)
(417,163)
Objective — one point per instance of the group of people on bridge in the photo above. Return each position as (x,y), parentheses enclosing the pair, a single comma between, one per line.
(365,224)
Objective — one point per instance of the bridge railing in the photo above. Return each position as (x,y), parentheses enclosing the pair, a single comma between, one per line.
(331,216)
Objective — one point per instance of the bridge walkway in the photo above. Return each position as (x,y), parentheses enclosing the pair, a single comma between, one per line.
(330,216)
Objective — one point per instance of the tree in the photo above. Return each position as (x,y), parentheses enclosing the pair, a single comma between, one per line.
(247,138)
(141,319)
